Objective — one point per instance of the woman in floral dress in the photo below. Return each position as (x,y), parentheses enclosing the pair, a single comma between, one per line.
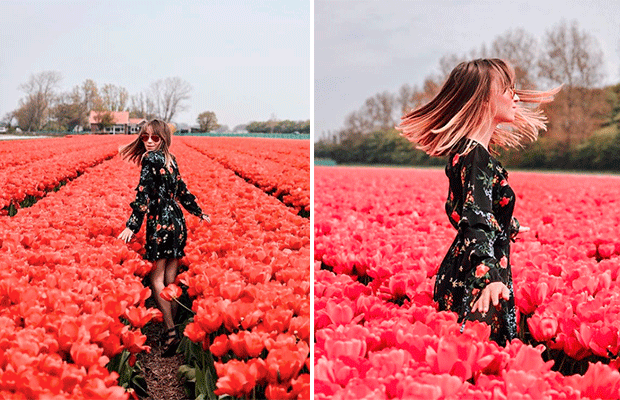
(159,190)
(477,107)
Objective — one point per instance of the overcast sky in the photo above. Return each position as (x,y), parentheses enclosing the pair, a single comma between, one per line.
(365,47)
(245,59)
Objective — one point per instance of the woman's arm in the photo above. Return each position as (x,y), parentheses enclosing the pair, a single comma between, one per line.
(188,200)
(478,223)
(480,229)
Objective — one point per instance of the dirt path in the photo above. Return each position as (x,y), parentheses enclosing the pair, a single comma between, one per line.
(160,373)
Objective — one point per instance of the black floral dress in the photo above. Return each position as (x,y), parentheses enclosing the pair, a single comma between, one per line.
(158,191)
(480,206)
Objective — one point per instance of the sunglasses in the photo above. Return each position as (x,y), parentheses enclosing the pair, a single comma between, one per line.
(154,138)
(512,90)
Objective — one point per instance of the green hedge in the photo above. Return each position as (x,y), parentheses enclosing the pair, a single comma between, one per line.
(600,152)
(258,135)
(386,148)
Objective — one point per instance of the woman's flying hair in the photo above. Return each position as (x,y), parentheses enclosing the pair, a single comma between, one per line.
(461,108)
(135,150)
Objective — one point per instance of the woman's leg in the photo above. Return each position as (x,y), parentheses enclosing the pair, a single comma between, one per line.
(172,267)
(157,285)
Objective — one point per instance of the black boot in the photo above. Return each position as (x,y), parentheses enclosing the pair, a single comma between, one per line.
(171,342)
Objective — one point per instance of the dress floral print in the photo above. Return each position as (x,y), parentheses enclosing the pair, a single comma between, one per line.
(480,205)
(158,192)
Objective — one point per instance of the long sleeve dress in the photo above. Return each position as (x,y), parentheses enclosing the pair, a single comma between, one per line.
(480,205)
(157,194)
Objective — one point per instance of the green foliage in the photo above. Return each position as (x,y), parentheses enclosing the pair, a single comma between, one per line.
(130,377)
(597,150)
(563,363)
(12,208)
(285,126)
(380,147)
(199,371)
(105,119)
(207,121)
(599,153)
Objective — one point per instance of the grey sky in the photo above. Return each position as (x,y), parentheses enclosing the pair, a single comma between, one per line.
(365,47)
(245,59)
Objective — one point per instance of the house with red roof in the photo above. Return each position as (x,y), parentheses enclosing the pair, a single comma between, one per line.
(135,124)
(114,122)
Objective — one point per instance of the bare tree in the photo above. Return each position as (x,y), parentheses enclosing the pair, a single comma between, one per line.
(8,118)
(380,110)
(517,47)
(83,99)
(404,97)
(33,112)
(168,97)
(376,114)
(142,107)
(446,65)
(410,98)
(27,117)
(355,126)
(89,96)
(520,49)
(68,112)
(573,58)
(114,98)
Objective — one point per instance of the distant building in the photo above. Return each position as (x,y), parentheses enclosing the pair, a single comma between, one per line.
(186,128)
(121,123)
(135,124)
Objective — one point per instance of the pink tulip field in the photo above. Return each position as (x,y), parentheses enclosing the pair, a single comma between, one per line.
(380,235)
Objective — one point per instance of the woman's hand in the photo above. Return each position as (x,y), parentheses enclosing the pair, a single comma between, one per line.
(205,217)
(126,235)
(524,229)
(491,293)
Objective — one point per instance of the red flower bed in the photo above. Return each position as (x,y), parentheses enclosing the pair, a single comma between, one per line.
(67,283)
(33,167)
(249,273)
(278,166)
(380,236)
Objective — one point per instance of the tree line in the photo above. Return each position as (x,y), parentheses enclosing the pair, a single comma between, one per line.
(45,107)
(275,126)
(565,56)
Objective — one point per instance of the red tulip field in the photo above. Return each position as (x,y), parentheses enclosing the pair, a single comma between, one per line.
(72,298)
(380,235)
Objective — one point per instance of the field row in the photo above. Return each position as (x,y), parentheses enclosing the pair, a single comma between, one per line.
(34,167)
(278,167)
(249,273)
(380,235)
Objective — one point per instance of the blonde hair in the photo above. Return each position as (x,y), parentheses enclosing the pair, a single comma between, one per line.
(461,109)
(134,151)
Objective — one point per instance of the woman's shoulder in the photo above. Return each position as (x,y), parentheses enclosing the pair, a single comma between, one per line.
(466,151)
(475,151)
(155,157)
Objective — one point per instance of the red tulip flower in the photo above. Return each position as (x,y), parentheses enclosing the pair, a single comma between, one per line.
(220,346)
(194,332)
(171,292)
(234,378)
